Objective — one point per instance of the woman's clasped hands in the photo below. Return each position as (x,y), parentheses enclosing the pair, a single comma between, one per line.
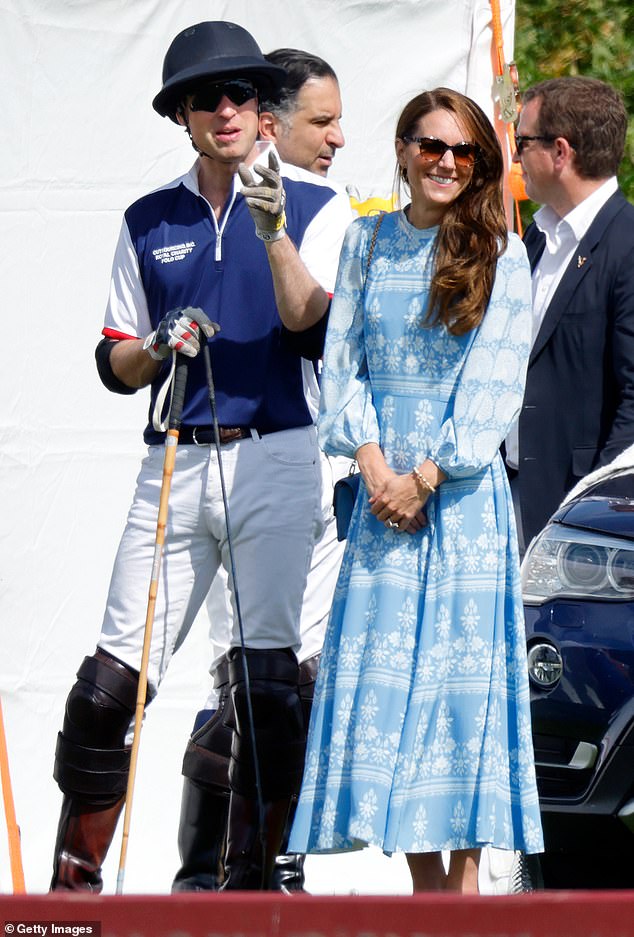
(399,503)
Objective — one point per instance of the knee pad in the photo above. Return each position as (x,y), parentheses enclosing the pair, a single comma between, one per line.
(91,759)
(101,704)
(207,755)
(278,727)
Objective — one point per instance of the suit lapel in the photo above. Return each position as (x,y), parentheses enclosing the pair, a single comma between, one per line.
(534,241)
(578,268)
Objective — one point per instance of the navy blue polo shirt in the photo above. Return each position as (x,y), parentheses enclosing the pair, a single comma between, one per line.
(182,261)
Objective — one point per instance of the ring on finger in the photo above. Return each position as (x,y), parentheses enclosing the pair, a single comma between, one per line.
(391,524)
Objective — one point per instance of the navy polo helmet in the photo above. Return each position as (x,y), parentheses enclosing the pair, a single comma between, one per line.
(213,50)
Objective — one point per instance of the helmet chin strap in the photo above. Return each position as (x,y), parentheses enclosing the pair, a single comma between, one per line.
(195,145)
(181,110)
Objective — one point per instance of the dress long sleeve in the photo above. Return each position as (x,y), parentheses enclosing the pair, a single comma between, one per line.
(491,384)
(347,417)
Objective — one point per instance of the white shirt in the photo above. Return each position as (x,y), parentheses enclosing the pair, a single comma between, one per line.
(563,236)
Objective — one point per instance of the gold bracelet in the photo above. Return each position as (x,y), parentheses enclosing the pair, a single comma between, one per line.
(421,480)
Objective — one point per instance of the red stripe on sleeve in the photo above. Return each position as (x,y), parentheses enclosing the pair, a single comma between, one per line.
(117,336)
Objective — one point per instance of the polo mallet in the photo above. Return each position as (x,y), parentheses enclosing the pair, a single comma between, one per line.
(236,593)
(209,329)
(13,830)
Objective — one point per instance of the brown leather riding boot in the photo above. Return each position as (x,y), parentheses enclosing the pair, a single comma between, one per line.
(252,847)
(84,834)
(201,838)
(288,872)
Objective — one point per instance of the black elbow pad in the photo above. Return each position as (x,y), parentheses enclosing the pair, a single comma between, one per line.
(309,343)
(104,369)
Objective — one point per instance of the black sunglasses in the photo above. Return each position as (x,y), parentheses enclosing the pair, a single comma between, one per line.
(208,97)
(522,139)
(432,149)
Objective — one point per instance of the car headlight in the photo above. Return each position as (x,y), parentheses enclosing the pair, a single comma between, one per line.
(563,561)
(545,665)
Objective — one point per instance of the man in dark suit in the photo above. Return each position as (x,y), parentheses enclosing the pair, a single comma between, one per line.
(578,410)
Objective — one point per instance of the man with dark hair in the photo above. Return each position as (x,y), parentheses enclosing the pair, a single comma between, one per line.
(578,409)
(260,260)
(304,121)
(303,118)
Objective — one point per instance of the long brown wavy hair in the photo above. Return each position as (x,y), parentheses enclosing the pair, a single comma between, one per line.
(473,231)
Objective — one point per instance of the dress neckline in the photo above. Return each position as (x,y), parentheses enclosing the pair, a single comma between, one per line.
(418,234)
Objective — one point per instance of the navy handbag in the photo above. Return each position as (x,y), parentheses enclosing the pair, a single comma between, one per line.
(343,498)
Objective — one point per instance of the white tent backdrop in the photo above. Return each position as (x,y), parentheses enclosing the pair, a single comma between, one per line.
(79,143)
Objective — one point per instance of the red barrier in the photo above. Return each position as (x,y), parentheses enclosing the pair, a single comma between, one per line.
(249,914)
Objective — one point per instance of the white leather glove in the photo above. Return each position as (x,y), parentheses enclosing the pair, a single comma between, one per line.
(265,200)
(175,332)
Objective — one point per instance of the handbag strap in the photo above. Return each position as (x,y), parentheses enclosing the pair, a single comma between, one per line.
(372,245)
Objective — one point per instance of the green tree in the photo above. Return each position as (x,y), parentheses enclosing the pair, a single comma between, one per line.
(565,37)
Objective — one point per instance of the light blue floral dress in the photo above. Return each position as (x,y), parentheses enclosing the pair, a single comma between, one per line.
(420,738)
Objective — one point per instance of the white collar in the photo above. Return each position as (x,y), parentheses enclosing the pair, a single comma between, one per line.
(190,179)
(582,215)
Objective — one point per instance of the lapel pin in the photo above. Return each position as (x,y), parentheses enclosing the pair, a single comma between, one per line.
(581,261)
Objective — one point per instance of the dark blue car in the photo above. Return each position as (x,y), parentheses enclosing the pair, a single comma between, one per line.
(578,585)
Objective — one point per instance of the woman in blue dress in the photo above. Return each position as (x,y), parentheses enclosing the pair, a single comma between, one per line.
(420,737)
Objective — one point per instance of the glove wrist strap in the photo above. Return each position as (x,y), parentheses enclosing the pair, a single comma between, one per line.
(278,233)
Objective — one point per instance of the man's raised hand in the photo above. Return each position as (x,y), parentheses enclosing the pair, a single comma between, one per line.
(266,199)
